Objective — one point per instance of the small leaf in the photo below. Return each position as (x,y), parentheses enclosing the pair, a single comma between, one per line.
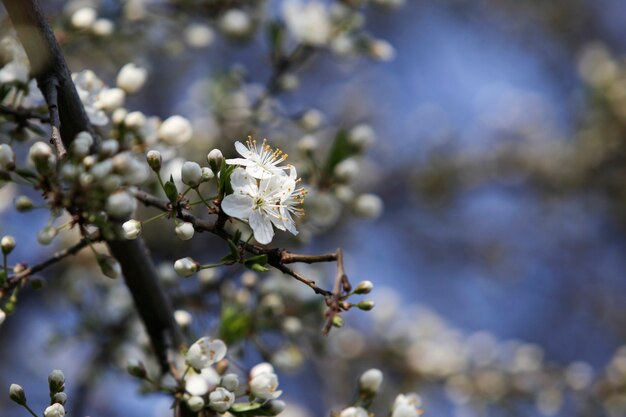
(340,150)
(235,324)
(257,263)
(170,190)
(234,250)
(245,409)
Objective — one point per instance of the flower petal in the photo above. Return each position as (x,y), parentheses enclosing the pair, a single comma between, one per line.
(238,205)
(240,161)
(242,149)
(243,183)
(262,227)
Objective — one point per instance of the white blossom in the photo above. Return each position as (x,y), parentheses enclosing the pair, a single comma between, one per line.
(132,229)
(184,230)
(55,410)
(309,22)
(215,159)
(131,78)
(264,385)
(175,130)
(406,405)
(261,368)
(354,412)
(196,385)
(205,352)
(186,267)
(221,399)
(371,379)
(259,161)
(135,119)
(109,99)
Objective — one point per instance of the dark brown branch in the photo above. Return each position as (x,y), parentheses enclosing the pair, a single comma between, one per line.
(21,116)
(14,280)
(48,66)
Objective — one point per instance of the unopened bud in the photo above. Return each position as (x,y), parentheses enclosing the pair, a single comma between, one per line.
(154,160)
(7,243)
(136,368)
(23,203)
(56,381)
(364,287)
(215,159)
(366,305)
(371,380)
(16,393)
(109,266)
(274,407)
(338,321)
(60,397)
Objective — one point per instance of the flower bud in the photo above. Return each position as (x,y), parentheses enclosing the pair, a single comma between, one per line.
(235,23)
(41,155)
(371,380)
(364,287)
(175,130)
(120,205)
(354,412)
(184,230)
(191,174)
(83,18)
(7,243)
(221,399)
(195,403)
(366,305)
(308,143)
(55,410)
(230,382)
(347,170)
(7,157)
(131,78)
(362,136)
(207,174)
(136,368)
(109,266)
(381,50)
(110,99)
(205,352)
(215,159)
(274,407)
(369,206)
(135,119)
(109,147)
(16,393)
(154,160)
(311,119)
(3,316)
(338,321)
(60,397)
(56,381)
(102,27)
(23,204)
(132,229)
(186,267)
(46,235)
(183,318)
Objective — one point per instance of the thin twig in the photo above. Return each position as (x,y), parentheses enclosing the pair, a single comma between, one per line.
(22,115)
(341,287)
(51,96)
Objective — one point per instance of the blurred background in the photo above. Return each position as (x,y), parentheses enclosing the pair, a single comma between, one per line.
(498,258)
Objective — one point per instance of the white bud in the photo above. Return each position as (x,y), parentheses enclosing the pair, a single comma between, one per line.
(362,136)
(110,99)
(215,159)
(230,382)
(207,277)
(132,229)
(7,243)
(16,392)
(186,267)
(175,130)
(195,403)
(235,23)
(292,325)
(84,17)
(154,160)
(119,115)
(191,174)
(109,147)
(289,82)
(274,407)
(199,36)
(221,399)
(101,169)
(205,352)
(263,386)
(371,380)
(3,316)
(261,368)
(135,119)
(347,170)
(207,174)
(308,143)
(102,27)
(381,50)
(7,157)
(344,193)
(120,205)
(369,206)
(23,203)
(40,153)
(109,266)
(131,78)
(46,235)
(354,412)
(55,410)
(183,318)
(184,230)
(364,287)
(311,119)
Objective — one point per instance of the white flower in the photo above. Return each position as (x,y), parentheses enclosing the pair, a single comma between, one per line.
(205,352)
(186,267)
(370,380)
(131,78)
(84,17)
(261,368)
(369,206)
(120,205)
(291,200)
(184,230)
(88,86)
(132,229)
(221,399)
(55,410)
(406,405)
(263,386)
(235,23)
(261,205)
(196,385)
(195,403)
(7,157)
(354,412)
(191,174)
(308,22)
(175,130)
(260,161)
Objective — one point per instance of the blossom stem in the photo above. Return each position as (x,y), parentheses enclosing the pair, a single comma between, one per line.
(30,410)
(158,216)
(208,266)
(206,203)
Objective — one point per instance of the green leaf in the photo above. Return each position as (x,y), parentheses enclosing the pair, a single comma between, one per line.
(170,190)
(245,409)
(224,180)
(340,150)
(229,259)
(275,34)
(257,263)
(235,324)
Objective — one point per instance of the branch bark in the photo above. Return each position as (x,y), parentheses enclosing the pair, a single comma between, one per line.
(53,77)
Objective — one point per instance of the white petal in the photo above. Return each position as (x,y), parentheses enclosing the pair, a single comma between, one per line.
(288,222)
(258,171)
(240,161)
(242,182)
(262,227)
(242,149)
(237,205)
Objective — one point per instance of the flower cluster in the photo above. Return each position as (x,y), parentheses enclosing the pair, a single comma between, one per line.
(263,194)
